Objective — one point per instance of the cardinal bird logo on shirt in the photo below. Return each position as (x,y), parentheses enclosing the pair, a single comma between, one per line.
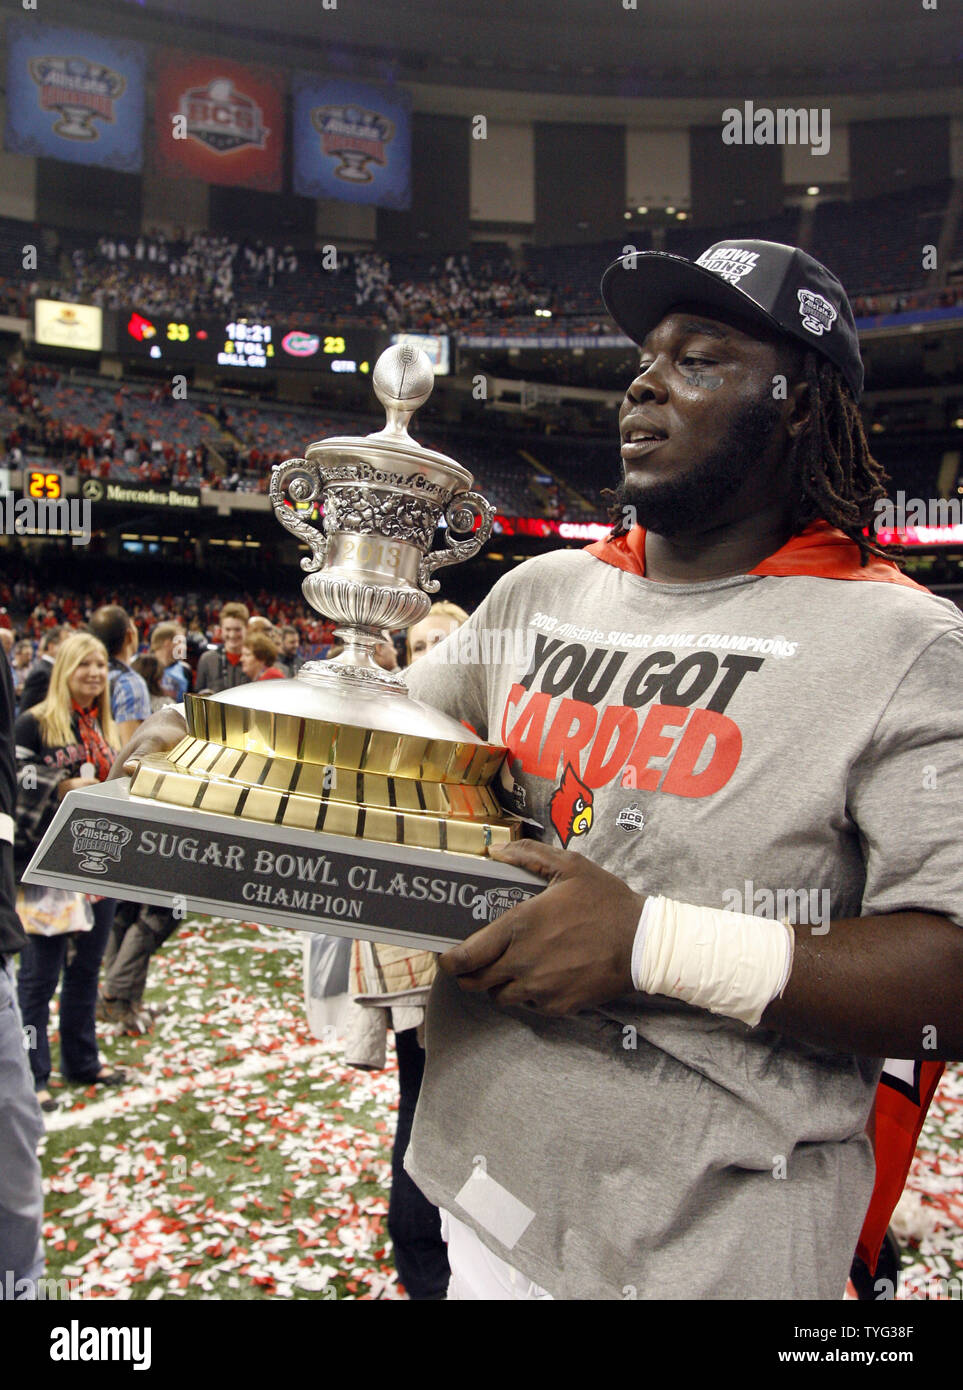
(571,807)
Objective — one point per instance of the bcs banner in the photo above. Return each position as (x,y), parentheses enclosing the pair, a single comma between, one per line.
(219,121)
(351,142)
(74,96)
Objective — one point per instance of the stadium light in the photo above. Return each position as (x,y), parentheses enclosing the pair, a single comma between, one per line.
(642,210)
(812,190)
(681,216)
(670,212)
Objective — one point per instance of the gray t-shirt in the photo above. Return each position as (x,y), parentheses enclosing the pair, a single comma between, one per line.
(784,745)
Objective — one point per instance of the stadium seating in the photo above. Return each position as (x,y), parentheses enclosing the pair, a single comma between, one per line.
(486,289)
(877,244)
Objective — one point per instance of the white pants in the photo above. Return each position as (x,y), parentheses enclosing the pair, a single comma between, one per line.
(476,1273)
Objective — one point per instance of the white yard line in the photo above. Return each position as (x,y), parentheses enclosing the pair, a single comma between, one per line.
(121,1100)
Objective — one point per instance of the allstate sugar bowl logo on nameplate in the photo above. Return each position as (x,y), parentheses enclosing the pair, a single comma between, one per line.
(487,906)
(98,840)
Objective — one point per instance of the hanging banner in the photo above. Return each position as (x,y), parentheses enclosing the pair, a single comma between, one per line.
(352,142)
(219,121)
(74,96)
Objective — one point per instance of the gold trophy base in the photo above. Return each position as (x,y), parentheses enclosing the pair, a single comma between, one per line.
(471,827)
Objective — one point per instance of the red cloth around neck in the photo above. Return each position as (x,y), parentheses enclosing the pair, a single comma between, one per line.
(821,550)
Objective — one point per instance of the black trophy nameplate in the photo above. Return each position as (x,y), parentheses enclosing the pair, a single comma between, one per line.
(108,842)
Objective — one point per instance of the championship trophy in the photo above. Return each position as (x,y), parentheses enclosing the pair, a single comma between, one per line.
(333,801)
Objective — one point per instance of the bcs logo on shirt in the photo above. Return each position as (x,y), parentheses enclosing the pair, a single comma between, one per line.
(298,344)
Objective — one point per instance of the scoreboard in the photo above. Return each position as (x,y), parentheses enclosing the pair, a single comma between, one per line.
(247,344)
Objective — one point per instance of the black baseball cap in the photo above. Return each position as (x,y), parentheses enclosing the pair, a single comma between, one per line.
(777,287)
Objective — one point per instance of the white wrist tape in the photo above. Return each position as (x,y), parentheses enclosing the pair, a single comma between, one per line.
(727,962)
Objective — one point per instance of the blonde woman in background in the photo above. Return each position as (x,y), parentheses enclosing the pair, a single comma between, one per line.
(397,979)
(68,740)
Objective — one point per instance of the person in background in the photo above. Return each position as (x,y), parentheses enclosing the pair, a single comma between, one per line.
(169,645)
(196,643)
(130,705)
(288,658)
(6,641)
(393,981)
(21,663)
(38,677)
(21,1192)
(220,667)
(151,671)
(324,634)
(385,653)
(443,618)
(68,740)
(129,700)
(258,654)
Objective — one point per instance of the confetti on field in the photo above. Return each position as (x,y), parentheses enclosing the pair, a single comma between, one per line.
(929,1218)
(245,1160)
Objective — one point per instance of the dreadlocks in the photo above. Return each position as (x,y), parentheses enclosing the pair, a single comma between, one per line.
(834,474)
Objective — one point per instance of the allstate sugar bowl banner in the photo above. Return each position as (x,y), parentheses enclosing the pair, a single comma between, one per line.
(74,96)
(351,142)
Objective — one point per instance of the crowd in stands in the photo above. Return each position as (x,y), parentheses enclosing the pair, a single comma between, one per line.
(105,432)
(483,289)
(180,277)
(135,434)
(30,608)
(901,301)
(139,434)
(424,294)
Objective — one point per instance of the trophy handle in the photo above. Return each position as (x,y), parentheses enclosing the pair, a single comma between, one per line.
(300,480)
(460,514)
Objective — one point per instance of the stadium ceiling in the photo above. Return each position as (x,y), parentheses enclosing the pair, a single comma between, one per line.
(660,48)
